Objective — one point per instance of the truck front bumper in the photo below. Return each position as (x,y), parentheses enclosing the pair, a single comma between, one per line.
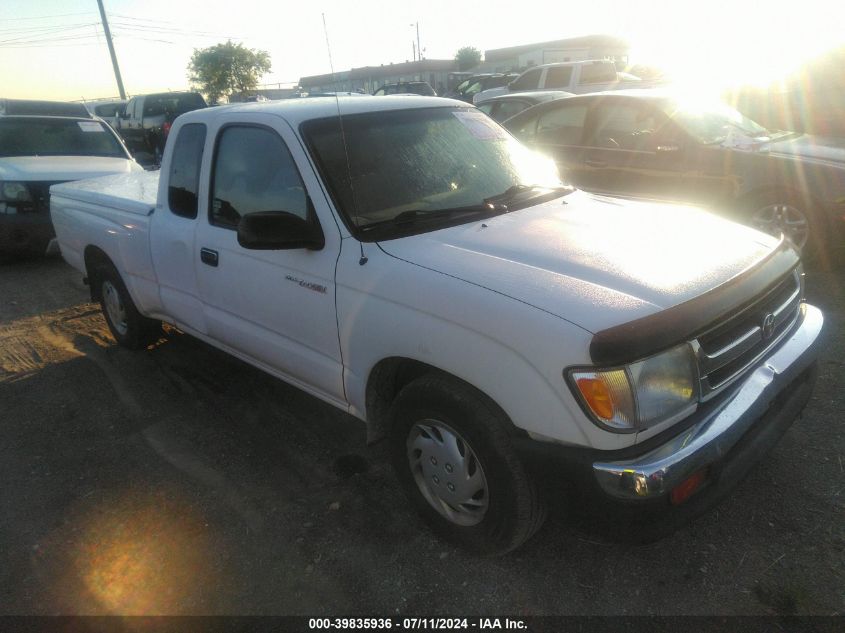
(726,439)
(29,232)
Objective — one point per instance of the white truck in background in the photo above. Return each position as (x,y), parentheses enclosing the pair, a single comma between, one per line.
(594,75)
(406,260)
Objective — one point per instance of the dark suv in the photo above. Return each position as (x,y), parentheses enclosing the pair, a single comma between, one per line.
(145,120)
(407,87)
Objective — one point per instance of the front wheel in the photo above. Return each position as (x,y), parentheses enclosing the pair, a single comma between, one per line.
(128,326)
(453,455)
(786,214)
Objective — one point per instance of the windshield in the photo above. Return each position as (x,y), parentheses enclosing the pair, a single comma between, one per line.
(57,137)
(711,123)
(422,160)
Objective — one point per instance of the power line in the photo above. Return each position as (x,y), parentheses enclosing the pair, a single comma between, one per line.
(43,27)
(38,36)
(159,29)
(18,43)
(48,17)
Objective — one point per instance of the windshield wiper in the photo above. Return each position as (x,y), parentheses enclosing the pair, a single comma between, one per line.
(411,216)
(514,190)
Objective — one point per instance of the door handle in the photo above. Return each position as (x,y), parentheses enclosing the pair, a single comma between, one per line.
(599,164)
(208,256)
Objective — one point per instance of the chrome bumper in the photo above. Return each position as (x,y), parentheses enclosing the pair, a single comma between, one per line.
(710,439)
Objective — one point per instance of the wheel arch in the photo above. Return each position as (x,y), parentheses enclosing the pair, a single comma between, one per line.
(94,257)
(390,375)
(747,198)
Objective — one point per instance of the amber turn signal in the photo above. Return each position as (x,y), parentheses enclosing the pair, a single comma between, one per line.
(597,396)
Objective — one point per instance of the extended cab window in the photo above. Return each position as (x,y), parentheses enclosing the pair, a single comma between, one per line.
(529,80)
(253,171)
(183,187)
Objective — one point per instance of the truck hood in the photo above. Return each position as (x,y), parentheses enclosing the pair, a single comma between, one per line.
(55,168)
(592,260)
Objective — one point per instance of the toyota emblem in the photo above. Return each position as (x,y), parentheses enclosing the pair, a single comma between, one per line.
(768,326)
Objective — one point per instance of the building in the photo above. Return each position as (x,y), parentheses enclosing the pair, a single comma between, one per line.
(371,78)
(573,49)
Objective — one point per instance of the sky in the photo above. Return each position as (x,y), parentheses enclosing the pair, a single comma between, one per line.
(55,49)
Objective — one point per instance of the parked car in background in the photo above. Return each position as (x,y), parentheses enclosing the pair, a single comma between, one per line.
(144,122)
(33,107)
(651,144)
(43,143)
(576,77)
(311,95)
(380,262)
(504,107)
(475,84)
(421,88)
(106,109)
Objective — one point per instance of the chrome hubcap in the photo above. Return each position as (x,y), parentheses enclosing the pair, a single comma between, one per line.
(783,218)
(447,472)
(114,307)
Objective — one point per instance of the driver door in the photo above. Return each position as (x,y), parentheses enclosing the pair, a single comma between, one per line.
(276,307)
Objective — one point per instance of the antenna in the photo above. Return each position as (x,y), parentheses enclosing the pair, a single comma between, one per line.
(364,258)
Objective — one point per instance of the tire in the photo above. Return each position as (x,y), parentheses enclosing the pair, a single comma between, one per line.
(128,326)
(453,456)
(777,212)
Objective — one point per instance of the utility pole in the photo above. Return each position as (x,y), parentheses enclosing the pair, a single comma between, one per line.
(414,48)
(111,50)
(419,50)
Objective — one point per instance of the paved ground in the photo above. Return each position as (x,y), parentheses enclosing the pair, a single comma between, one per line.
(182,481)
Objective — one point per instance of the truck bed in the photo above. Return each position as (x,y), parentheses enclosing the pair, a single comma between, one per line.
(133,193)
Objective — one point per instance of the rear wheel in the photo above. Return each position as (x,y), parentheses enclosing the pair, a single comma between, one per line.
(453,455)
(128,326)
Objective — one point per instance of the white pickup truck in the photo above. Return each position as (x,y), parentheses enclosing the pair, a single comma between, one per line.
(414,265)
(593,75)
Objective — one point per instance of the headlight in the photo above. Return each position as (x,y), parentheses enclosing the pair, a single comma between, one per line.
(638,395)
(14,192)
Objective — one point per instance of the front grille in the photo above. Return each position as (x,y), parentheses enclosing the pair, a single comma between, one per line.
(730,348)
(40,192)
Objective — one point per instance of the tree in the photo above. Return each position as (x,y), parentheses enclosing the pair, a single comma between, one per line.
(226,68)
(468,57)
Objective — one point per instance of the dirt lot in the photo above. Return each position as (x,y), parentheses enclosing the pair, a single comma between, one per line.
(179,480)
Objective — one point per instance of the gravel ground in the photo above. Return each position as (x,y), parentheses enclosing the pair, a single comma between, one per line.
(182,481)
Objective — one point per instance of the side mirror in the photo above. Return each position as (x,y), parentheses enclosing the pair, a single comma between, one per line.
(278,230)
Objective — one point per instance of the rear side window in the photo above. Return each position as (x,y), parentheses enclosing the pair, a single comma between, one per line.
(183,186)
(563,125)
(558,77)
(529,80)
(598,73)
(254,171)
(153,106)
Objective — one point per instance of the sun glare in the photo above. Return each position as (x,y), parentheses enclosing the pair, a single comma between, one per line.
(706,47)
